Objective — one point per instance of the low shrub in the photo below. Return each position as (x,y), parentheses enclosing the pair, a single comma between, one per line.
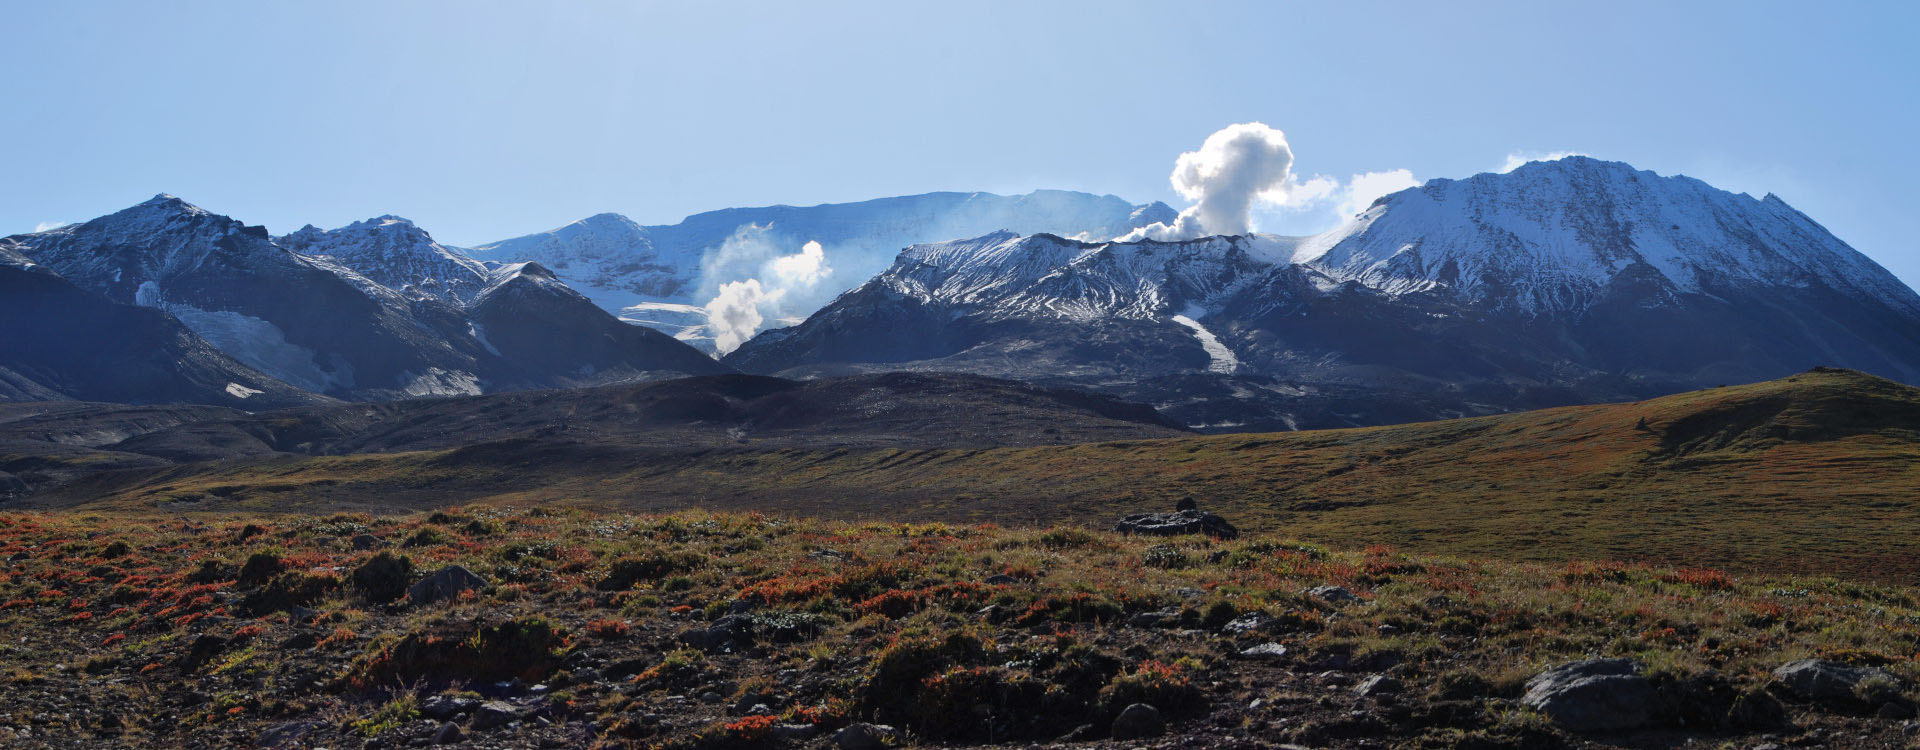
(1168,687)
(649,566)
(383,578)
(527,648)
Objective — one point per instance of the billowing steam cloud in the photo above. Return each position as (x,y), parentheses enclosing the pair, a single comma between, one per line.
(1237,165)
(733,315)
(774,284)
(1241,166)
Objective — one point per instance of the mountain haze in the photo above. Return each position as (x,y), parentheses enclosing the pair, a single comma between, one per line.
(661,276)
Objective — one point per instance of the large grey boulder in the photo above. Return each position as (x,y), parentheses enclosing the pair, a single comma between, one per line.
(496,714)
(445,583)
(1836,684)
(1177,523)
(1596,695)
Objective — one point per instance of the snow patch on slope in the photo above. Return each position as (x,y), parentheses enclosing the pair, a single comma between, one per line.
(1223,359)
(441,382)
(257,343)
(260,345)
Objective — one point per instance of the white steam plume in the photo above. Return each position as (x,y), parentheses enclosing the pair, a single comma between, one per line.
(1236,166)
(804,269)
(733,315)
(774,285)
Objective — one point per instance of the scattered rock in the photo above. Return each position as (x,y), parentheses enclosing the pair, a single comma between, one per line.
(1158,619)
(1247,624)
(1137,721)
(1177,523)
(1835,684)
(448,734)
(1265,651)
(445,583)
(1378,685)
(1333,595)
(1001,579)
(730,633)
(865,737)
(494,714)
(365,542)
(446,707)
(1596,695)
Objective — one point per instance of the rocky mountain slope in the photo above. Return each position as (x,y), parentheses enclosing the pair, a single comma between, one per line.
(319,325)
(62,342)
(1561,282)
(397,254)
(661,276)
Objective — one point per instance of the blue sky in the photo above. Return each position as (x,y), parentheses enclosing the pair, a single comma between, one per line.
(482,121)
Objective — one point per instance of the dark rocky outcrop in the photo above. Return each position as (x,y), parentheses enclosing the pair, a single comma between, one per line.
(1177,523)
(1838,685)
(1596,695)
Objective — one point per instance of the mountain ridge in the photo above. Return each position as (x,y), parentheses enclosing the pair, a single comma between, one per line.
(662,275)
(322,326)
(1505,292)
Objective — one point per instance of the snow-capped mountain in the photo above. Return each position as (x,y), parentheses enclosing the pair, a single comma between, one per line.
(1551,236)
(1560,282)
(662,276)
(397,254)
(317,324)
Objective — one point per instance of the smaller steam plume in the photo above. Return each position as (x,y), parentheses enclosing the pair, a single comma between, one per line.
(773,283)
(1236,166)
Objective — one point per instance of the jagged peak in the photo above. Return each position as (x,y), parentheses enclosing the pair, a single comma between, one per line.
(535,270)
(526,275)
(600,222)
(163,203)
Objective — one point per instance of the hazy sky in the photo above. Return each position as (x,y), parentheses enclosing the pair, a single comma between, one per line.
(482,121)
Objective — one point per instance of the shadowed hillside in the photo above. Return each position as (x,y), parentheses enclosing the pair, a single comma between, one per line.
(1815,472)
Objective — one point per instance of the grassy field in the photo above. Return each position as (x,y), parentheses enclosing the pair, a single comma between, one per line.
(748,631)
(1819,472)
